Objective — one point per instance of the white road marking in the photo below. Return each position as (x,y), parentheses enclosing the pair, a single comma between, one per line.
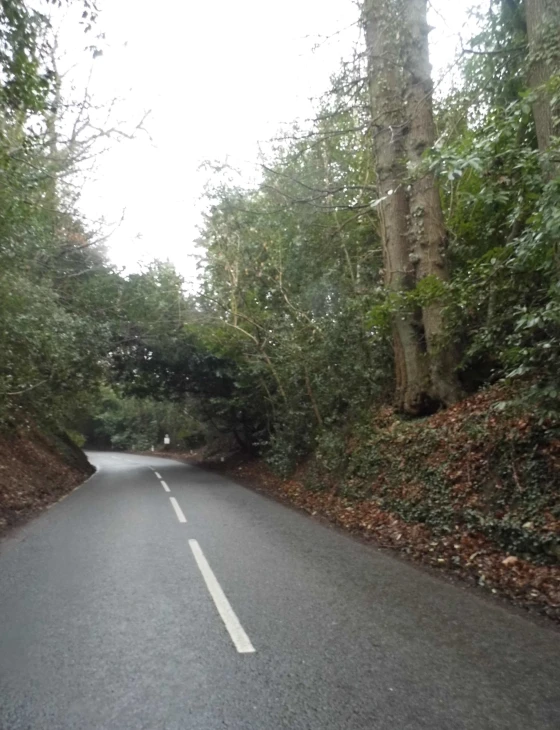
(178,511)
(158,475)
(164,485)
(235,630)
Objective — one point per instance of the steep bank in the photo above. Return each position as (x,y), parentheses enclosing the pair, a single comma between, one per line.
(36,469)
(473,491)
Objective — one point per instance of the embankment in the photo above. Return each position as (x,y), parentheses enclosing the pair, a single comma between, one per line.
(36,469)
(473,491)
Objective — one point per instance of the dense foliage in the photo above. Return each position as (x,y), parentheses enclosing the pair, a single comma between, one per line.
(289,342)
(65,313)
(293,280)
(49,341)
(126,422)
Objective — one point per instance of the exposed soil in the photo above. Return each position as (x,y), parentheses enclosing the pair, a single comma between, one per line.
(35,471)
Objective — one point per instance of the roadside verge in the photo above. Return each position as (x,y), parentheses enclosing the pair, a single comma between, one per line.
(463,555)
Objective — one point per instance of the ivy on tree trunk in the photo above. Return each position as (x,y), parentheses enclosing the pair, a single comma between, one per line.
(412,227)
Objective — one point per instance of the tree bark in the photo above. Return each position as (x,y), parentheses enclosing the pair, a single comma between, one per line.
(427,227)
(386,90)
(412,226)
(543,31)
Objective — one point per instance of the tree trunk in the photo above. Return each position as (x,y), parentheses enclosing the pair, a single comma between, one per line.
(427,227)
(386,89)
(543,30)
(412,227)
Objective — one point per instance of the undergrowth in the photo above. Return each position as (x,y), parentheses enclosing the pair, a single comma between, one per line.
(473,468)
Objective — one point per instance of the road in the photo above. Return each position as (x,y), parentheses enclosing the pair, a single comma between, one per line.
(120,608)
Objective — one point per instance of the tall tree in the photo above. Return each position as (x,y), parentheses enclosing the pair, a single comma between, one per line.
(428,238)
(543,29)
(412,227)
(386,88)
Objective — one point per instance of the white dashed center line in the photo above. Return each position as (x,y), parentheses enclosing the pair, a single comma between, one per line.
(157,474)
(164,485)
(178,511)
(235,630)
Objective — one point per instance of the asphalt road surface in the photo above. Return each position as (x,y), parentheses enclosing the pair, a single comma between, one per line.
(161,597)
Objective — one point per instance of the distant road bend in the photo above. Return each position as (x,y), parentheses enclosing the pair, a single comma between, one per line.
(161,597)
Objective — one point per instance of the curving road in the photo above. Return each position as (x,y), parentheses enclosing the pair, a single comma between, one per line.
(161,597)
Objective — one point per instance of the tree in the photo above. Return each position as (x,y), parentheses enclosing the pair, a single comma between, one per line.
(543,29)
(412,227)
(428,237)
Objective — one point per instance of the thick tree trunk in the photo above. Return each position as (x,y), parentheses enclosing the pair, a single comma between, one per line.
(543,30)
(412,227)
(381,17)
(427,228)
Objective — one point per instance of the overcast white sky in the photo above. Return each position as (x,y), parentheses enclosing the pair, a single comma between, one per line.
(219,78)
